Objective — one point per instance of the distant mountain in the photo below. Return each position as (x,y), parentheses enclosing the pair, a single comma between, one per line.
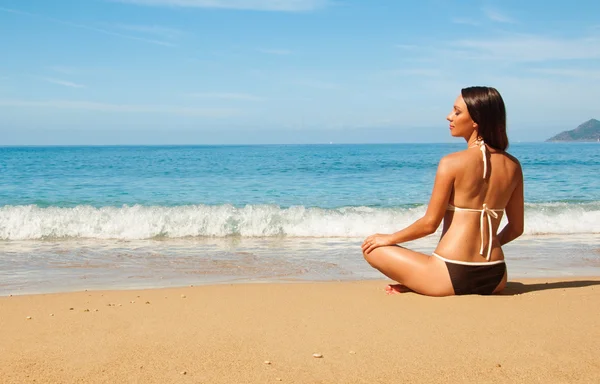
(588,131)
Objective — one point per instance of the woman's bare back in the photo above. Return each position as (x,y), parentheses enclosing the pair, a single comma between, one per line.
(461,236)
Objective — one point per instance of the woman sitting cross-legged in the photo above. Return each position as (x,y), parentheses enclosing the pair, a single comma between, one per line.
(472,190)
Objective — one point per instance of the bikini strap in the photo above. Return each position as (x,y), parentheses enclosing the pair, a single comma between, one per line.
(454,208)
(489,213)
(482,148)
(486,211)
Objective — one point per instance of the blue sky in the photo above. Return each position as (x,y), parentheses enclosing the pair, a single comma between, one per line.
(295,71)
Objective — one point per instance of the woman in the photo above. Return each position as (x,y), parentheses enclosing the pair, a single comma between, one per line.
(472,189)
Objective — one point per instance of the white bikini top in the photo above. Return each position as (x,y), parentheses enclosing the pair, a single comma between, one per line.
(485,211)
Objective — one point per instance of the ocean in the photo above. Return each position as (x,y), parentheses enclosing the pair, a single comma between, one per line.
(74,218)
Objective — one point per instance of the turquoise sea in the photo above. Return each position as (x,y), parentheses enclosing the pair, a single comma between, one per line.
(121,217)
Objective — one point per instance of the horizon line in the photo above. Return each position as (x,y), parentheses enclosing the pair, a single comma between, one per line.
(259,144)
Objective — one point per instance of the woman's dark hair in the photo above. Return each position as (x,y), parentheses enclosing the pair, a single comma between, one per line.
(486,108)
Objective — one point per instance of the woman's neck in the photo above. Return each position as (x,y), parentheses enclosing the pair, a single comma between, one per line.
(473,140)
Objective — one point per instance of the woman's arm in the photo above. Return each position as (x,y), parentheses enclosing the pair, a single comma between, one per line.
(428,224)
(515,212)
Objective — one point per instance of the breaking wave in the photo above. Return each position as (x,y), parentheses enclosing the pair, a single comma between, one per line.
(30,222)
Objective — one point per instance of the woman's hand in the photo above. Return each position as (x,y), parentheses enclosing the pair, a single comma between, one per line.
(375,241)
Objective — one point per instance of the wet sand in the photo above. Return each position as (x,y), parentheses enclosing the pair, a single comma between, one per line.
(538,331)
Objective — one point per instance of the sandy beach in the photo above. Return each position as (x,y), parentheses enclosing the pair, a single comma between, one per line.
(538,331)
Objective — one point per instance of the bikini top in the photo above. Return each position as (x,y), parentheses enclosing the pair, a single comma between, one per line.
(485,211)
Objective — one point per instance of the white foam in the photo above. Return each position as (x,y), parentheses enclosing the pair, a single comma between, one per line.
(145,222)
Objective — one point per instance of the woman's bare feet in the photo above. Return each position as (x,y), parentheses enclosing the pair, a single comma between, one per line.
(394,289)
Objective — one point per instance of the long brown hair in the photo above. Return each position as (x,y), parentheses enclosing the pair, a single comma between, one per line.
(486,108)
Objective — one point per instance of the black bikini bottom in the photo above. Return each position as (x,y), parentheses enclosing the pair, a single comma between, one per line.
(474,278)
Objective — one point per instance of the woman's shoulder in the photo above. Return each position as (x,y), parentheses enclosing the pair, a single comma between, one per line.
(512,158)
(455,158)
(452,162)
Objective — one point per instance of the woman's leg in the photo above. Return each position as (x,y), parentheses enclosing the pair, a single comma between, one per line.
(421,273)
(502,284)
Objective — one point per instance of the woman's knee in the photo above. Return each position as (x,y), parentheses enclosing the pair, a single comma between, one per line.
(374,257)
(368,257)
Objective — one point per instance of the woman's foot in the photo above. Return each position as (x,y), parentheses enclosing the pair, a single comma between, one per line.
(394,289)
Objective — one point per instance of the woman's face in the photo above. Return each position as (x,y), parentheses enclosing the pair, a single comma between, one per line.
(461,124)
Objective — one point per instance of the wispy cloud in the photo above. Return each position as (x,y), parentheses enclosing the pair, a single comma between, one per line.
(529,48)
(466,21)
(425,72)
(416,53)
(64,83)
(15,11)
(154,30)
(588,74)
(125,108)
(87,27)
(256,5)
(67,70)
(226,96)
(280,52)
(317,84)
(111,33)
(64,70)
(497,16)
(408,47)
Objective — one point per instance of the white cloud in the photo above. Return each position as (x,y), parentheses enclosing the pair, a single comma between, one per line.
(257,5)
(466,21)
(408,47)
(64,83)
(280,52)
(317,84)
(64,70)
(533,100)
(227,96)
(15,11)
(529,48)
(87,27)
(498,16)
(126,108)
(155,30)
(117,34)
(426,72)
(587,74)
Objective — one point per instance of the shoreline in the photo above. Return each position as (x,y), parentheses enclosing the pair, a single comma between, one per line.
(511,284)
(537,330)
(40,267)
